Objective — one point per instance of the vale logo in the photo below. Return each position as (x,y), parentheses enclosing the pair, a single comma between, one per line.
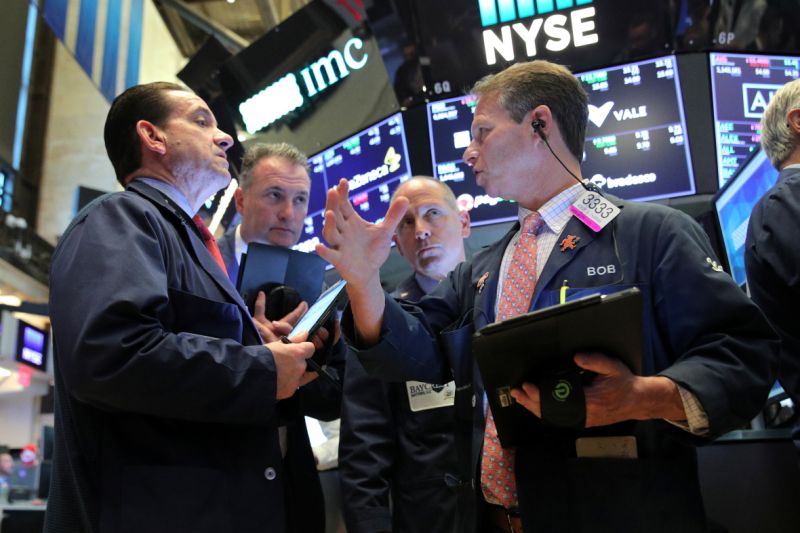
(598,115)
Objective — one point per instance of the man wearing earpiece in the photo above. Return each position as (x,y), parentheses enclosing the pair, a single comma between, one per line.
(707,353)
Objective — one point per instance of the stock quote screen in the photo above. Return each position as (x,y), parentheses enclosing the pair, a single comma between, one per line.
(734,203)
(636,146)
(742,85)
(374,161)
(449,128)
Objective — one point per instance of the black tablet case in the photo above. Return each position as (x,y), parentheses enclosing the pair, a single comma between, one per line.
(543,342)
(265,266)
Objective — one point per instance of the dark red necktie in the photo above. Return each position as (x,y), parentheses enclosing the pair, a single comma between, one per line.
(210,241)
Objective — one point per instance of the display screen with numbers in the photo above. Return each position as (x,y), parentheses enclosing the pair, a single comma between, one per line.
(742,85)
(734,203)
(374,161)
(636,145)
(449,127)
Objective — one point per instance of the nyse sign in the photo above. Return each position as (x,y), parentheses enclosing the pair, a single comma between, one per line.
(556,32)
(292,91)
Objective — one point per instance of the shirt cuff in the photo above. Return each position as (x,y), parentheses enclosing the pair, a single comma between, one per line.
(696,421)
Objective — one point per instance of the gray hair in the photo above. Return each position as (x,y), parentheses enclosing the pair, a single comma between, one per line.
(777,138)
(524,86)
(257,152)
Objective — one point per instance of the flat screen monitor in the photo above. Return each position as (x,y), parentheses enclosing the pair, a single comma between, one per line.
(449,128)
(734,203)
(636,143)
(31,347)
(741,87)
(374,161)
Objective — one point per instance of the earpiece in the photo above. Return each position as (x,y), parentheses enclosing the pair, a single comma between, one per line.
(537,126)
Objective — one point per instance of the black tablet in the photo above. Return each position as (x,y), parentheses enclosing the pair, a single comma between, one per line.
(542,344)
(265,267)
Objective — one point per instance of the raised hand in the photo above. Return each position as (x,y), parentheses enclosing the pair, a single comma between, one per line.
(358,249)
(355,247)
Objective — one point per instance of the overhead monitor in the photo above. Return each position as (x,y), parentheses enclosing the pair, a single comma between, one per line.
(734,203)
(374,161)
(742,85)
(636,144)
(449,128)
(31,346)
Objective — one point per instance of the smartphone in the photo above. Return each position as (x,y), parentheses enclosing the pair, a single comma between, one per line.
(318,313)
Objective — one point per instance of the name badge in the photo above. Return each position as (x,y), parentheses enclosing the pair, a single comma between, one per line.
(424,396)
(607,447)
(594,210)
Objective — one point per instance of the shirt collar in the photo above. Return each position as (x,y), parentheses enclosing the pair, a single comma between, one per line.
(555,212)
(795,165)
(168,190)
(240,247)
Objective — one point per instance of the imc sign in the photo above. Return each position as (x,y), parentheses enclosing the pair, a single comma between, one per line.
(555,25)
(293,90)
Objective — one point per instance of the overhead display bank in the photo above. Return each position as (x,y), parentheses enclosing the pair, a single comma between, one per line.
(374,161)
(636,144)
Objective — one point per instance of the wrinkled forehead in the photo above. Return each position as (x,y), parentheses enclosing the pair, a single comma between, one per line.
(283,173)
(183,102)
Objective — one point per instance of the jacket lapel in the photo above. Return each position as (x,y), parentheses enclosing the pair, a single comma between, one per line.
(485,277)
(559,259)
(181,221)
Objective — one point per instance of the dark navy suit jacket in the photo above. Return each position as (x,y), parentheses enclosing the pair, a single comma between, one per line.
(699,329)
(772,260)
(386,448)
(166,418)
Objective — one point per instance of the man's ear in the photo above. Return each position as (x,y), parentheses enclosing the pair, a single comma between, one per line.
(396,241)
(238,200)
(463,217)
(543,117)
(793,118)
(151,137)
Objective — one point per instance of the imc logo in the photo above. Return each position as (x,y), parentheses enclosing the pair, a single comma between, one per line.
(757,97)
(499,11)
(285,95)
(555,31)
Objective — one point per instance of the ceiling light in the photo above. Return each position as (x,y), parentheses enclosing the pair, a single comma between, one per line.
(10,300)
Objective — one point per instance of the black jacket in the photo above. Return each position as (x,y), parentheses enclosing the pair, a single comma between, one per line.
(389,452)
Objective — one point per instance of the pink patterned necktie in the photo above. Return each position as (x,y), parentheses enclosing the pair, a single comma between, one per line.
(497,467)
